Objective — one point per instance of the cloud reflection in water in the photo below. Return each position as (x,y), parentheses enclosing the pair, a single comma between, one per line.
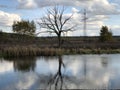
(79,72)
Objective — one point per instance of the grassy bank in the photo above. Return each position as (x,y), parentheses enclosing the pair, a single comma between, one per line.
(21,51)
(16,45)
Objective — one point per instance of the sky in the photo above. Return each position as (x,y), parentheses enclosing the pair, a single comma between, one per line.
(99,13)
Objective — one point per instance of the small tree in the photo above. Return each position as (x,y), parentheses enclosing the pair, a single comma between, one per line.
(24,27)
(55,22)
(105,34)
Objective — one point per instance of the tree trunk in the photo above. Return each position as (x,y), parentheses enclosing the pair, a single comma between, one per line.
(59,40)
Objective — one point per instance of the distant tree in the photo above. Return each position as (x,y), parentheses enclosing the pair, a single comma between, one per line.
(24,27)
(55,22)
(105,34)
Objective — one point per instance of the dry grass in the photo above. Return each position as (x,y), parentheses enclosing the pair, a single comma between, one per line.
(15,45)
(19,51)
(22,51)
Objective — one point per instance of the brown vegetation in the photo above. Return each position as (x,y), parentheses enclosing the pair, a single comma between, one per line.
(22,45)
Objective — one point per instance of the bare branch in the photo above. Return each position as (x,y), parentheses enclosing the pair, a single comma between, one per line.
(67,19)
(56,18)
(60,18)
(56,22)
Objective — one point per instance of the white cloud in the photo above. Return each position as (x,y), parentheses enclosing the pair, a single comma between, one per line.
(74,10)
(115,29)
(103,7)
(7,19)
(26,4)
(6,67)
(26,80)
(94,6)
(97,18)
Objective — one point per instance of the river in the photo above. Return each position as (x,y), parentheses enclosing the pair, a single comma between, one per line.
(61,72)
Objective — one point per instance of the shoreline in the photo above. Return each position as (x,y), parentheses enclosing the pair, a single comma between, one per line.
(36,51)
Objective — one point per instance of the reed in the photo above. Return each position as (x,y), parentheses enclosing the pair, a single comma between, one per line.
(20,51)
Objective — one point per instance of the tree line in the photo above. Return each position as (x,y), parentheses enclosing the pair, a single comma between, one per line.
(54,22)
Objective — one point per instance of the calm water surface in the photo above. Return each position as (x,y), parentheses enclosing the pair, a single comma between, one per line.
(61,72)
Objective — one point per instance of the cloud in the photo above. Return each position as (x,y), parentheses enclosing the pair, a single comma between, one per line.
(46,3)
(74,10)
(115,29)
(100,7)
(7,19)
(6,67)
(26,4)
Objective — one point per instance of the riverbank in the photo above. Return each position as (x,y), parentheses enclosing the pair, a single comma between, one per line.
(16,45)
(22,51)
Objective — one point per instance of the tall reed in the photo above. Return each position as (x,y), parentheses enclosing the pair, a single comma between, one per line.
(19,51)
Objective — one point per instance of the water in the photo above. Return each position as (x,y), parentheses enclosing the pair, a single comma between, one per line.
(61,72)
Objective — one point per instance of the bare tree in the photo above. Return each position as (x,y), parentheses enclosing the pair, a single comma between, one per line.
(55,22)
(57,79)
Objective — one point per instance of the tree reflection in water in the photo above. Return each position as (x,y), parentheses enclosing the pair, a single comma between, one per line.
(25,64)
(104,61)
(57,79)
(60,80)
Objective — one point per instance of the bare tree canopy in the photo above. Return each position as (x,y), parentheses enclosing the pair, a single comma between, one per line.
(56,22)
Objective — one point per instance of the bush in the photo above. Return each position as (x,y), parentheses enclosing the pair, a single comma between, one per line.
(105,34)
